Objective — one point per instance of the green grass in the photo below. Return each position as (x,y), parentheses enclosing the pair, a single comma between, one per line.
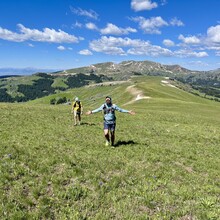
(91,96)
(165,164)
(11,84)
(59,82)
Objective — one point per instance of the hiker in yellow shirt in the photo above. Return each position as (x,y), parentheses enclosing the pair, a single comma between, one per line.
(77,110)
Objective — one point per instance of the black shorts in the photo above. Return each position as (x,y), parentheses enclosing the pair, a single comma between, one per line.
(109,126)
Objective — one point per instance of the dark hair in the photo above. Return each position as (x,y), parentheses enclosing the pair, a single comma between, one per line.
(108,97)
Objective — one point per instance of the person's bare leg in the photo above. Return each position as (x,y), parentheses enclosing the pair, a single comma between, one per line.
(106,133)
(74,119)
(113,137)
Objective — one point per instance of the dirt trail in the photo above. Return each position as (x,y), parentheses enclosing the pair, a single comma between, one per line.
(138,94)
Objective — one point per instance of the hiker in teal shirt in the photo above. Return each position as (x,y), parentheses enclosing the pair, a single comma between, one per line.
(109,109)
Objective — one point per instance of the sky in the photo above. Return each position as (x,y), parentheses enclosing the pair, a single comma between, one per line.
(64,34)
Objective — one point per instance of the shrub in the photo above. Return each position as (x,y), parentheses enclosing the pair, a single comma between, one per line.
(53,101)
(61,100)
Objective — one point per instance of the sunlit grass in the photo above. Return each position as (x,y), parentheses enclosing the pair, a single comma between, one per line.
(165,164)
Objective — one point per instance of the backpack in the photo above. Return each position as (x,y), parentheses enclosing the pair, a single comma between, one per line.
(78,104)
(107,109)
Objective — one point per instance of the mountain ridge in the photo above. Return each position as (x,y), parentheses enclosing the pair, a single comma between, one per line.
(128,68)
(40,84)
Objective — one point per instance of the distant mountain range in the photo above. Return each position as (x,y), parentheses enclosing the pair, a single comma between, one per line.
(126,69)
(23,71)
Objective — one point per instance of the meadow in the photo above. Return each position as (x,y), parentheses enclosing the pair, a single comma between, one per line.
(165,164)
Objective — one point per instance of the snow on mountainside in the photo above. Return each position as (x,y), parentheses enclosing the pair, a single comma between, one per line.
(126,69)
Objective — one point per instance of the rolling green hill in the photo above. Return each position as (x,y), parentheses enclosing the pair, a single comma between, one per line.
(165,164)
(25,88)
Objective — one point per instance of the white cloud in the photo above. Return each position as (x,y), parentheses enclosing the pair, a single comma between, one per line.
(168,43)
(114,42)
(47,35)
(64,48)
(91,26)
(150,26)
(11,36)
(110,29)
(85,52)
(213,34)
(77,25)
(114,30)
(61,48)
(107,45)
(114,46)
(124,46)
(140,5)
(189,40)
(198,63)
(90,14)
(211,47)
(189,53)
(30,45)
(200,54)
(150,50)
(176,22)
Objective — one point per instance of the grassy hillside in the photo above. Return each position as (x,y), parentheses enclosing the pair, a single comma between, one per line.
(22,89)
(165,164)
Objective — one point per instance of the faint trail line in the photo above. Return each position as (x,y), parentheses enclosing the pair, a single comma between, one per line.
(138,94)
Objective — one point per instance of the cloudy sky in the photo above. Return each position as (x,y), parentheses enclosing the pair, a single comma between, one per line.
(63,34)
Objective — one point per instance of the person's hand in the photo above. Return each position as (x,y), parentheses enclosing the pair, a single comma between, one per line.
(89,113)
(131,112)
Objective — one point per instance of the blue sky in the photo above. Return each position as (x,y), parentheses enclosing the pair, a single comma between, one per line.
(63,34)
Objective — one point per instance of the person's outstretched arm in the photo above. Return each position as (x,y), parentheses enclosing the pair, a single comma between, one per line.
(123,110)
(96,110)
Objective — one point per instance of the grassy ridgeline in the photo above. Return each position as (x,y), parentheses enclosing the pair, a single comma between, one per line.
(165,164)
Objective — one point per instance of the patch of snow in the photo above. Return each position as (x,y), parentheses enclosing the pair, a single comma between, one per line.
(164,82)
(92,66)
(171,85)
(127,63)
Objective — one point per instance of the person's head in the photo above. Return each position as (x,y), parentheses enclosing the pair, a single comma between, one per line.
(108,99)
(77,99)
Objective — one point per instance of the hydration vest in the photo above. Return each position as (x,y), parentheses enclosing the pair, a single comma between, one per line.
(109,114)
(107,109)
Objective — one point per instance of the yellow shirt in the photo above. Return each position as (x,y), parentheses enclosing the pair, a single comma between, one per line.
(76,106)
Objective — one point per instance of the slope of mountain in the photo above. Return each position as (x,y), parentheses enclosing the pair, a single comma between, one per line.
(21,89)
(41,84)
(207,83)
(217,71)
(126,69)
